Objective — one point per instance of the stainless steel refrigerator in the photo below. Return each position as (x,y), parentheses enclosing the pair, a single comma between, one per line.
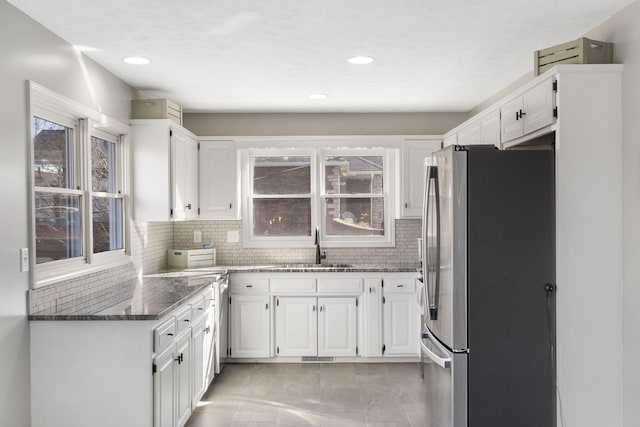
(488,340)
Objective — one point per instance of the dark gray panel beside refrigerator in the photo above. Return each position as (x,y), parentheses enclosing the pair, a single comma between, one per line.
(511,315)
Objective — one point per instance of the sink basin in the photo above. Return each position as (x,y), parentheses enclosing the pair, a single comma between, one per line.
(315,266)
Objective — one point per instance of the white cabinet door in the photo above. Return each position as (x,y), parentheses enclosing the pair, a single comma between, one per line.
(490,129)
(470,134)
(184,175)
(511,125)
(218,180)
(538,105)
(372,326)
(249,326)
(199,341)
(529,112)
(165,171)
(401,325)
(164,396)
(296,326)
(337,326)
(183,378)
(413,154)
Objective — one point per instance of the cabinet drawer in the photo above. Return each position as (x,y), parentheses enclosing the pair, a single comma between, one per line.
(399,285)
(164,335)
(294,284)
(199,306)
(183,319)
(340,285)
(248,284)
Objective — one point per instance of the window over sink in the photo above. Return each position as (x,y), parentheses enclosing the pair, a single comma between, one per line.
(343,192)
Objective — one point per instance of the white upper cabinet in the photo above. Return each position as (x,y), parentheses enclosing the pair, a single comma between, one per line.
(529,112)
(184,170)
(484,130)
(218,180)
(165,171)
(413,154)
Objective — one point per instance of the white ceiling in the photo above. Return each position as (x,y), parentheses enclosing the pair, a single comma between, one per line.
(269,55)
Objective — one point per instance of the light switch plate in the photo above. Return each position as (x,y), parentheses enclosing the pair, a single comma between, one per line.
(24,259)
(197,236)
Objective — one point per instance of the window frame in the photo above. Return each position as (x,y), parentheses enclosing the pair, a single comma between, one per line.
(318,209)
(388,238)
(54,107)
(252,241)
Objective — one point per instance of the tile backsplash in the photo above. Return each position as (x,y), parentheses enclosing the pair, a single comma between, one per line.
(92,292)
(405,251)
(150,242)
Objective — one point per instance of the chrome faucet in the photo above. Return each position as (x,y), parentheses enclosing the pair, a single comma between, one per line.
(319,256)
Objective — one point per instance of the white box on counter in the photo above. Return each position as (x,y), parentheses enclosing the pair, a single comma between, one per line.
(191,257)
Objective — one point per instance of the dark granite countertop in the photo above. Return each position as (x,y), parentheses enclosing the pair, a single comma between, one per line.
(150,298)
(300,268)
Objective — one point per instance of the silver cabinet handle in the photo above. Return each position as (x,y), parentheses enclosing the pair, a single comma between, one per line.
(313,308)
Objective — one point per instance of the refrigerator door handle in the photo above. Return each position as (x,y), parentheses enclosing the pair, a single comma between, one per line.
(431,265)
(444,362)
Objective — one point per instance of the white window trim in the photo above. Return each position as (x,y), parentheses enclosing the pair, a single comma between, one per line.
(53,106)
(317,152)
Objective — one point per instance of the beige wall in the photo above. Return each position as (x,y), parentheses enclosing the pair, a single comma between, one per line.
(29,51)
(228,124)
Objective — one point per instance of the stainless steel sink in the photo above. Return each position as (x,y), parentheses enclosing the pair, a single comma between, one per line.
(301,266)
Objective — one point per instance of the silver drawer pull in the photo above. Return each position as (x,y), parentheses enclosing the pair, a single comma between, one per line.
(401,286)
(249,286)
(186,320)
(169,334)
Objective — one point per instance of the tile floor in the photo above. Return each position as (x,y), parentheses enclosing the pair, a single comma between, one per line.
(325,395)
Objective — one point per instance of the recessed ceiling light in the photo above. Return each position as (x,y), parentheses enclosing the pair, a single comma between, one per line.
(360,60)
(318,96)
(136,60)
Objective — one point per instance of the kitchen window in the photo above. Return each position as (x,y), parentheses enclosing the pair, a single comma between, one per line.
(281,198)
(79,186)
(353,196)
(342,192)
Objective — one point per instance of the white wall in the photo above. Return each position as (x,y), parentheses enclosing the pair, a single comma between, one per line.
(29,51)
(623,30)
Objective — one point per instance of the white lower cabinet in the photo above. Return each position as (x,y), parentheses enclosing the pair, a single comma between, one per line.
(184,355)
(250,326)
(118,372)
(310,326)
(164,394)
(296,326)
(401,319)
(323,315)
(337,326)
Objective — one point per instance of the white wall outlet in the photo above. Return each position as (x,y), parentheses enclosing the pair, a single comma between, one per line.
(233,236)
(24,259)
(197,236)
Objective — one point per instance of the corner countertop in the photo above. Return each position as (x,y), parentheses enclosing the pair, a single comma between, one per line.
(150,298)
